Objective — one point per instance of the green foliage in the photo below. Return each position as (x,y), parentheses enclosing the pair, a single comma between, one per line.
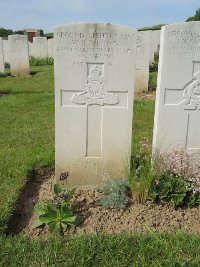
(41,61)
(138,250)
(153,28)
(154,66)
(172,189)
(115,194)
(153,81)
(56,213)
(196,17)
(27,133)
(5,32)
(49,35)
(7,65)
(2,75)
(141,173)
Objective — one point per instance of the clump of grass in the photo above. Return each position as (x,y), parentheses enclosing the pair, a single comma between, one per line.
(141,173)
(41,61)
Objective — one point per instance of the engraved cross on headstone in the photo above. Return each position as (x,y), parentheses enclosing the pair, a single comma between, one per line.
(188,99)
(96,98)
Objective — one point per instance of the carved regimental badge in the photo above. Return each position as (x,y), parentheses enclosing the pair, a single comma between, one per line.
(95,93)
(187,97)
(191,93)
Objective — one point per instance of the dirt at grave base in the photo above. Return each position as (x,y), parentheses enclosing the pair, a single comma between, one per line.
(137,218)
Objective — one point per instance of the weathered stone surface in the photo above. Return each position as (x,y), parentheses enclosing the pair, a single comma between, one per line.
(50,43)
(142,61)
(19,55)
(6,51)
(39,47)
(94,89)
(177,114)
(154,44)
(2,67)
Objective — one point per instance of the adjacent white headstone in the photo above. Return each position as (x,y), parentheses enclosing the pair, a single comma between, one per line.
(51,47)
(177,115)
(39,47)
(19,56)
(142,61)
(6,51)
(2,67)
(94,90)
(154,44)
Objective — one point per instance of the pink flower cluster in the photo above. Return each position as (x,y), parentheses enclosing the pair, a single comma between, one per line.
(183,164)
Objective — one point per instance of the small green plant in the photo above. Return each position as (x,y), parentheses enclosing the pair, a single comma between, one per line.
(115,194)
(141,173)
(2,75)
(41,61)
(168,188)
(174,190)
(154,66)
(56,213)
(176,178)
(7,65)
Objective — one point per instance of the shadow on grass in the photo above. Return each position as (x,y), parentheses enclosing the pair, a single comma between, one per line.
(15,92)
(24,206)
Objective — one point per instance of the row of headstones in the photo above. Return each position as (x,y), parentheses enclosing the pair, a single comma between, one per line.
(39,48)
(17,50)
(147,45)
(94,78)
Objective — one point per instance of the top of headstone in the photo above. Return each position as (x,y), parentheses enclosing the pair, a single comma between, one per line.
(92,24)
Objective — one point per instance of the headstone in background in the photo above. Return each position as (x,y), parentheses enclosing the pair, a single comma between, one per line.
(154,44)
(39,47)
(6,51)
(2,67)
(94,89)
(19,56)
(142,61)
(177,114)
(50,47)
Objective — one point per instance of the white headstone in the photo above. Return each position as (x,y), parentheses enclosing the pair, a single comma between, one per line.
(142,61)
(2,67)
(51,48)
(154,44)
(177,114)
(6,51)
(39,47)
(94,89)
(19,56)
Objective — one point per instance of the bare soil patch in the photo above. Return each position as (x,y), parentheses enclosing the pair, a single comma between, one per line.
(149,95)
(137,218)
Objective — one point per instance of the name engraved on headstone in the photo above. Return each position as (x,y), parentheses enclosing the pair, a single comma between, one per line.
(186,42)
(95,44)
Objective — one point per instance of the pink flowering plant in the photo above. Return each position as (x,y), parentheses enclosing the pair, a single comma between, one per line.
(56,212)
(176,178)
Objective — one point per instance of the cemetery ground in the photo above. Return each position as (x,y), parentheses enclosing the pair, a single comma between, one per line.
(27,153)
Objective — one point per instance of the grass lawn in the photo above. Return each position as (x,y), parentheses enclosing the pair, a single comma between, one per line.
(27,142)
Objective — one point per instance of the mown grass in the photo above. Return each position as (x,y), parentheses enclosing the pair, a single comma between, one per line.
(26,132)
(153,250)
(27,141)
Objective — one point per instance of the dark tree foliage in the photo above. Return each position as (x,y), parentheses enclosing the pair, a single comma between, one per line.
(5,32)
(196,17)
